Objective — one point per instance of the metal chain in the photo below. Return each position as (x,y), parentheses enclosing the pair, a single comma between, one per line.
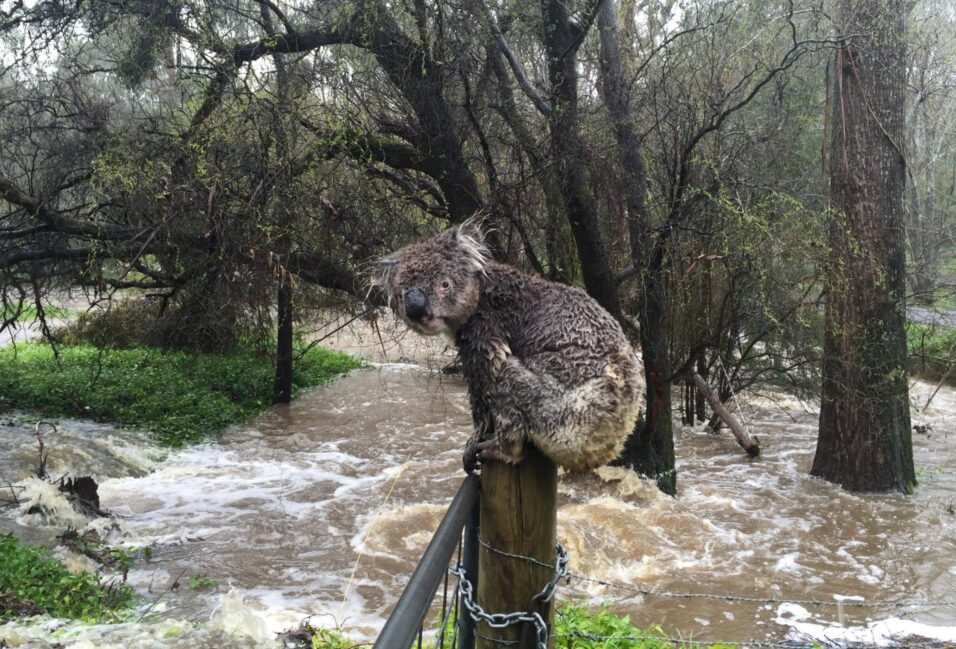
(561,571)
(560,566)
(504,620)
(499,620)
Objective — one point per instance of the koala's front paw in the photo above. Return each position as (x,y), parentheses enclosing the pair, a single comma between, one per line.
(497,356)
(477,453)
(471,460)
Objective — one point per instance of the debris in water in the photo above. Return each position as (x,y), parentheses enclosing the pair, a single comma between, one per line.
(306,636)
(39,497)
(84,490)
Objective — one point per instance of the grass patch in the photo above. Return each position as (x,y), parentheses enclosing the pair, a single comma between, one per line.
(581,628)
(31,581)
(930,340)
(578,627)
(932,350)
(178,397)
(26,311)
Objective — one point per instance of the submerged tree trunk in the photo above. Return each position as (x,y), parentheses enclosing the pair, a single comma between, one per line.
(282,390)
(282,387)
(747,442)
(650,450)
(865,439)
(651,447)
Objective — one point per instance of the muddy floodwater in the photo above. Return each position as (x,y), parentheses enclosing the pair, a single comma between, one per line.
(322,509)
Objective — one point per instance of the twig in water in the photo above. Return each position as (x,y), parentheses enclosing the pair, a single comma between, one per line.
(174,583)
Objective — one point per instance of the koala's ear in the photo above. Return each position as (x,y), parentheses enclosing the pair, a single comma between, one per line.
(471,227)
(381,273)
(470,241)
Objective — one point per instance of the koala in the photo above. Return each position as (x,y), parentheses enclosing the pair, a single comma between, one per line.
(544,362)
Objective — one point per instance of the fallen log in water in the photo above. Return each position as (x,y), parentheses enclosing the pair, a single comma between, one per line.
(748,442)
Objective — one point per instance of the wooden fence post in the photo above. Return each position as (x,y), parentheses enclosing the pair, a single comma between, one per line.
(518,516)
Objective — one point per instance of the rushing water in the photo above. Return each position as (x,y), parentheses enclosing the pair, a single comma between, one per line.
(322,509)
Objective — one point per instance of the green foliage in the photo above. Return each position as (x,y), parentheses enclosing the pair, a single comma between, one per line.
(306,636)
(202,583)
(932,349)
(30,577)
(179,397)
(579,628)
(331,639)
(929,340)
(25,312)
(125,324)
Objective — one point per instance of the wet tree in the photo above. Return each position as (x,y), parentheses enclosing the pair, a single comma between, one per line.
(230,161)
(865,439)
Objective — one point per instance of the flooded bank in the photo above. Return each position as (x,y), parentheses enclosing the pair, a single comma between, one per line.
(321,509)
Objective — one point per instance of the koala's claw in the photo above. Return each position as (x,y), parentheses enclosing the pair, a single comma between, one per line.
(471,459)
(478,452)
(475,452)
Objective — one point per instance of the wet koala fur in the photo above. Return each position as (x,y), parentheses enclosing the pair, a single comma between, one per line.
(543,361)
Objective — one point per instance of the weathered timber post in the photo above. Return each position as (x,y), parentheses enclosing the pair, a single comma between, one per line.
(519,517)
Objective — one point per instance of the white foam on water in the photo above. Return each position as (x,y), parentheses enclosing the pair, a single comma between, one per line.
(236,618)
(788,563)
(377,535)
(887,632)
(171,633)
(54,508)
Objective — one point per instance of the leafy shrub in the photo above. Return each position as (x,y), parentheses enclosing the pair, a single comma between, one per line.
(31,577)
(179,397)
(931,349)
(124,324)
(576,627)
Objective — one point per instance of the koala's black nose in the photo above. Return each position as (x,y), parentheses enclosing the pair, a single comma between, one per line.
(416,304)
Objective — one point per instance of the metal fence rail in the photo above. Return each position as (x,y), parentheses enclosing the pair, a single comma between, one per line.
(404,625)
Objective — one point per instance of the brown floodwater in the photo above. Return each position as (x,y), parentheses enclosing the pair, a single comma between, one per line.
(322,509)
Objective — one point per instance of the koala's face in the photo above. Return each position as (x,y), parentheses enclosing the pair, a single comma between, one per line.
(433,285)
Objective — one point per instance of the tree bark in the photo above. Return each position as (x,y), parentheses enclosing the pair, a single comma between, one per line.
(651,451)
(562,37)
(865,440)
(420,79)
(282,390)
(282,387)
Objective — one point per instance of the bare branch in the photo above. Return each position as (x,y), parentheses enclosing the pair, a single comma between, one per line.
(540,101)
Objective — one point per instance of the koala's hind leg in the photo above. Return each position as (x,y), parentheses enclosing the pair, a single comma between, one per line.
(486,443)
(573,425)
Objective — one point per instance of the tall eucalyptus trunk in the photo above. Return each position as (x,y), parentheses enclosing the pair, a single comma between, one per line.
(865,440)
(651,447)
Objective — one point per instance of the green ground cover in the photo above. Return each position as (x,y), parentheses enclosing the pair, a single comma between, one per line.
(579,627)
(932,351)
(25,311)
(178,397)
(32,581)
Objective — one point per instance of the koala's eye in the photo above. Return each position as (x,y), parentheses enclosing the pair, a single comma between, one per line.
(445,284)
